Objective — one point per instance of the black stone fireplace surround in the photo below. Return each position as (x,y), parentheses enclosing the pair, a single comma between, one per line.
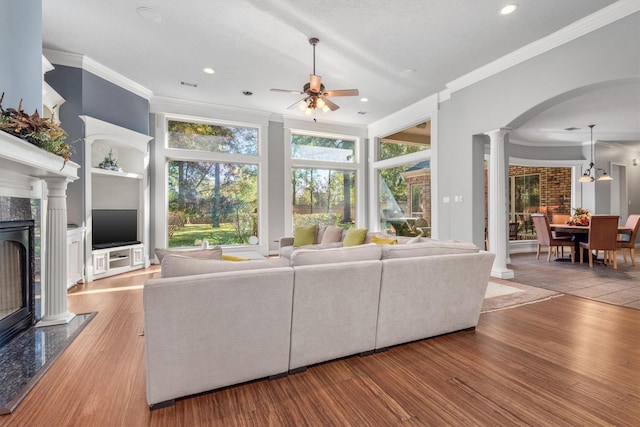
(17,278)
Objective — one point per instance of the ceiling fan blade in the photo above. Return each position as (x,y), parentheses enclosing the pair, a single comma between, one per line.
(295,104)
(343,92)
(288,91)
(332,105)
(314,83)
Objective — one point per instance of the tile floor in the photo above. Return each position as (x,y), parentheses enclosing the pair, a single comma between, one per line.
(602,283)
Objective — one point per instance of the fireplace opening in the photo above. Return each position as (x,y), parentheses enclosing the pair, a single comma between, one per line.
(17,293)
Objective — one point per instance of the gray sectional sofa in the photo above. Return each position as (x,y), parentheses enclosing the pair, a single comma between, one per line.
(211,323)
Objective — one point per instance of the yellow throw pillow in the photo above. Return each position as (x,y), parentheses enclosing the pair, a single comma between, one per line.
(380,241)
(355,237)
(233,258)
(303,236)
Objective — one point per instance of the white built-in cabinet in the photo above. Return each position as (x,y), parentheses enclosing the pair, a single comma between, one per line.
(75,256)
(108,189)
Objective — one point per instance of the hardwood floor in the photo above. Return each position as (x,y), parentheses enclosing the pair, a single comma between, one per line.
(565,361)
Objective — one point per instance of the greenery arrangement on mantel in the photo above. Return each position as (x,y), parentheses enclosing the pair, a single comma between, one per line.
(39,131)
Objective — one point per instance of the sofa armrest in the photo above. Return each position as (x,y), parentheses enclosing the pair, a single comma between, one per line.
(286,241)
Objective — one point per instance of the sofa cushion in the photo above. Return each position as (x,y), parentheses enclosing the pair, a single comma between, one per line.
(199,253)
(178,265)
(332,234)
(335,255)
(304,235)
(430,247)
(355,237)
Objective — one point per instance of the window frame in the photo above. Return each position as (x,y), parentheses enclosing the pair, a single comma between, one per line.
(296,163)
(163,154)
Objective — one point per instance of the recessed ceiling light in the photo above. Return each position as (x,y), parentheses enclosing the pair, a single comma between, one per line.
(209,70)
(149,14)
(364,99)
(508,9)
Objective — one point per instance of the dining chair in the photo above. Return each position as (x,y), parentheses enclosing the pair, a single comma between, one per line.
(603,235)
(545,238)
(628,240)
(513,230)
(560,219)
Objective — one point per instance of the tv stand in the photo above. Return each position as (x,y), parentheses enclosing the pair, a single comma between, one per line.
(116,260)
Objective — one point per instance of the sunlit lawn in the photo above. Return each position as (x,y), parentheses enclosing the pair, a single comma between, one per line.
(187,235)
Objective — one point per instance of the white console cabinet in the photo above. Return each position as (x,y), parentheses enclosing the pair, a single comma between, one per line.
(127,188)
(107,262)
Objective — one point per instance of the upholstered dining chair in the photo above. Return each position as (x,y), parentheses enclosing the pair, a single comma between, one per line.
(545,238)
(560,219)
(628,240)
(603,235)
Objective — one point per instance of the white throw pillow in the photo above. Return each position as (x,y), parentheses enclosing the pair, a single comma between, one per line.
(332,234)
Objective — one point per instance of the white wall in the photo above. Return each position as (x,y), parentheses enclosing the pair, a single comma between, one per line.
(607,54)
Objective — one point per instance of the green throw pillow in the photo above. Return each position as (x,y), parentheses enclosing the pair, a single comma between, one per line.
(355,237)
(381,241)
(303,236)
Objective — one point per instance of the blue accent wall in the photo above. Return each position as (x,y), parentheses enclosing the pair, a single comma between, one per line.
(90,95)
(21,54)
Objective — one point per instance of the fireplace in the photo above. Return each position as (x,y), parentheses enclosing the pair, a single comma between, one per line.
(17,301)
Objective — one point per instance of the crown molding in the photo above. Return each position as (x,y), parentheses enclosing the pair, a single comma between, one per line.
(599,19)
(76,60)
(176,106)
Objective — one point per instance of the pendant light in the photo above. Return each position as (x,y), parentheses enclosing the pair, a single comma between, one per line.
(599,174)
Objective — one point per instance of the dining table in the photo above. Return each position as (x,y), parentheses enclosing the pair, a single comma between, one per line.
(580,233)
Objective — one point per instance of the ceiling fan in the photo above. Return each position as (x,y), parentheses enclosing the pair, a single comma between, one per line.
(316,95)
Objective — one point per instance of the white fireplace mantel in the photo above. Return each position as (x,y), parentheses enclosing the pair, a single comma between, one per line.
(22,158)
(31,172)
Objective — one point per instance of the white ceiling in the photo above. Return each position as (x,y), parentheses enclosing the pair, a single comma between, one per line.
(396,52)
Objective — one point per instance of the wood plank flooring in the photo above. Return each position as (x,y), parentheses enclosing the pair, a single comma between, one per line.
(563,362)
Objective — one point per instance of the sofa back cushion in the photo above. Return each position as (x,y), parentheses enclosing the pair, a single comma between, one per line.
(335,255)
(430,247)
(177,265)
(199,253)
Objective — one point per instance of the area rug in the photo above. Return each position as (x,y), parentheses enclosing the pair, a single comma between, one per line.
(503,294)
(26,358)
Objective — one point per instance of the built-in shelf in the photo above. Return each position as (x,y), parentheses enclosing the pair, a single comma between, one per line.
(107,172)
(110,189)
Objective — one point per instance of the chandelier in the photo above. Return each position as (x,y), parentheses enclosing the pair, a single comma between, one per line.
(594,173)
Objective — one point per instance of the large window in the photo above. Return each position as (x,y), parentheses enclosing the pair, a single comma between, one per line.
(534,189)
(212,194)
(404,200)
(411,140)
(323,180)
(214,138)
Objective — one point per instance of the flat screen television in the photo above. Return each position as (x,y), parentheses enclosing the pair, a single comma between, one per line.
(114,227)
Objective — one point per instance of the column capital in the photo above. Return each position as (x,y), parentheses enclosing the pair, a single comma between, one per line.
(498,133)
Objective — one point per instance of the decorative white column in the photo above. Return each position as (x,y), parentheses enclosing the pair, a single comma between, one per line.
(498,209)
(55,286)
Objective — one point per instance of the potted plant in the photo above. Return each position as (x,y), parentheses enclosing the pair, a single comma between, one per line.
(39,131)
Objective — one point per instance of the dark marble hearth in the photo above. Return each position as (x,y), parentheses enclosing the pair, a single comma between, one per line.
(25,359)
